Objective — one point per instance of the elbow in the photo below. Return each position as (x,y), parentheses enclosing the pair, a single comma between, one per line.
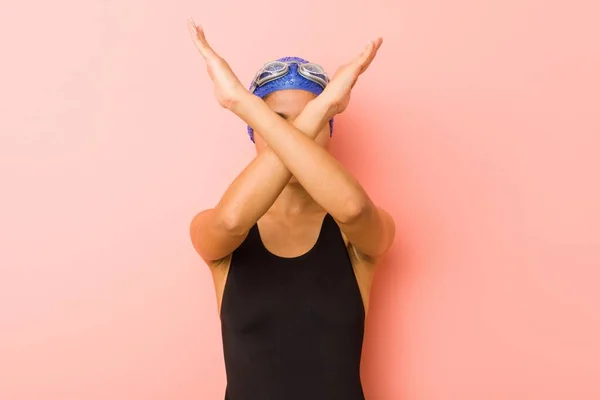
(230,222)
(355,209)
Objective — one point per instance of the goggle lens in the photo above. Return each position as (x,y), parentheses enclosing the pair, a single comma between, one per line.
(264,75)
(315,69)
(275,66)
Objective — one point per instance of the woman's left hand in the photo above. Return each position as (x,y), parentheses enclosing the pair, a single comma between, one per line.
(228,88)
(337,93)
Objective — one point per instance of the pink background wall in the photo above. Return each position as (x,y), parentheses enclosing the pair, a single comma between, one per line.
(477,127)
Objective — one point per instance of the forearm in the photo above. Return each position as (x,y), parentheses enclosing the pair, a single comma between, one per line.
(323,177)
(257,187)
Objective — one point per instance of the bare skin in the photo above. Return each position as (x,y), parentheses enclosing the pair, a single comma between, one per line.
(293,181)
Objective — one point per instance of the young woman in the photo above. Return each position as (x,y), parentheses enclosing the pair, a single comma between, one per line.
(294,241)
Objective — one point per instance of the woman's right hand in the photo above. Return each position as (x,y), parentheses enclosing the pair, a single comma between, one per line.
(228,88)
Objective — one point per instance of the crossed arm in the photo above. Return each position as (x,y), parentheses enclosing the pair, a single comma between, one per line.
(217,232)
(368,228)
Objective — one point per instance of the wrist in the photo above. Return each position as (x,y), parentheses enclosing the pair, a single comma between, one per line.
(238,101)
(325,107)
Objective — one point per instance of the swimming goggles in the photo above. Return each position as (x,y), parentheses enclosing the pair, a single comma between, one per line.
(276,69)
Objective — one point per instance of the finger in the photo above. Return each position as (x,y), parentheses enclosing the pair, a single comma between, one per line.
(376,45)
(364,55)
(200,39)
(378,42)
(369,53)
(196,37)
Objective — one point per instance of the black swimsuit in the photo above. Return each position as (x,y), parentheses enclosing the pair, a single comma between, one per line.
(293,327)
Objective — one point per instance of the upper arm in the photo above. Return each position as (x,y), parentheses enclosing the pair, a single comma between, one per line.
(211,236)
(370,234)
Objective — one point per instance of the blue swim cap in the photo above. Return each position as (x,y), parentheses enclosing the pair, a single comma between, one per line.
(292,80)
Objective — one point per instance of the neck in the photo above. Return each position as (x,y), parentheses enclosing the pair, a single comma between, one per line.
(295,200)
